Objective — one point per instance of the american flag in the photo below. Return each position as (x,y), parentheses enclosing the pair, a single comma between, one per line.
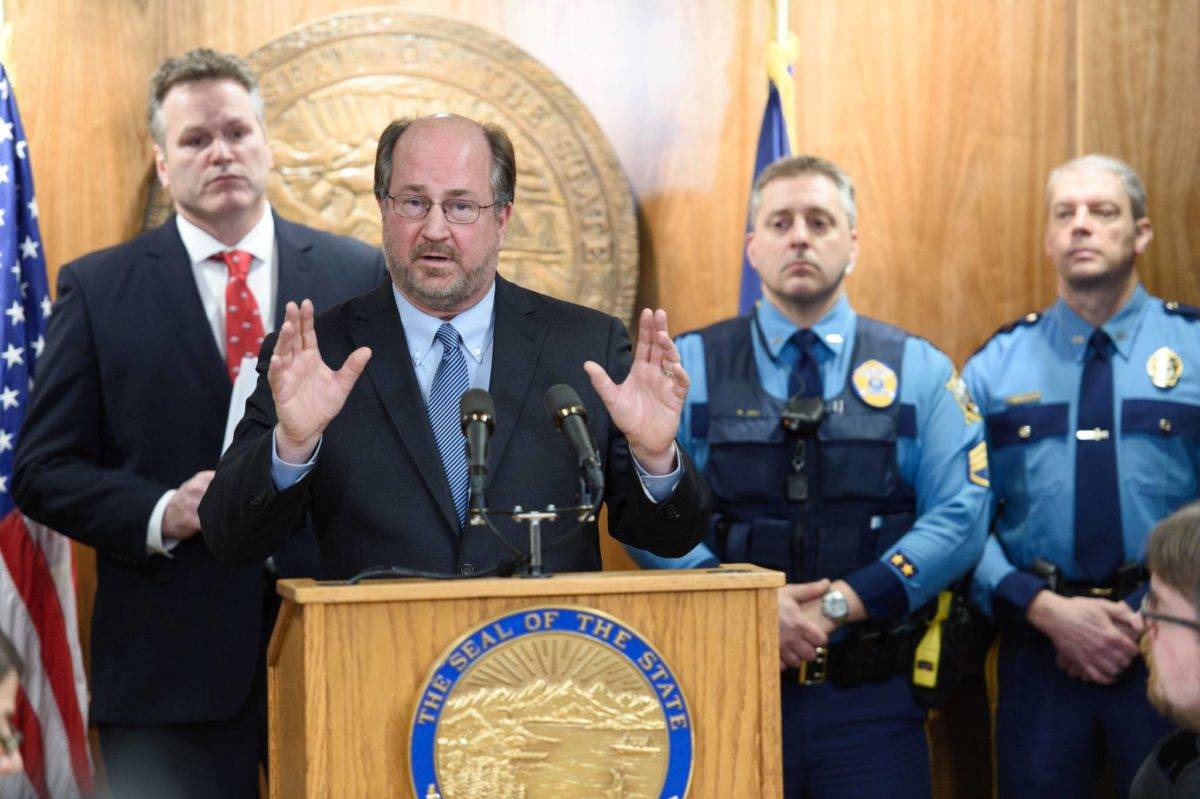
(37,588)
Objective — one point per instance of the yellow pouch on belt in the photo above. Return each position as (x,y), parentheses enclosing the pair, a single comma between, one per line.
(929,650)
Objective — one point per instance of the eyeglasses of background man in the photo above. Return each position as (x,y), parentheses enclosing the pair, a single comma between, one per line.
(1147,609)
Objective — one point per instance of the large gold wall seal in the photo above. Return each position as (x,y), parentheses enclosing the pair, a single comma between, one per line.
(331,86)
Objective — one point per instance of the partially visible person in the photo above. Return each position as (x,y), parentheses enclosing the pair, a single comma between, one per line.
(845,452)
(379,463)
(1171,646)
(126,424)
(1091,409)
(11,669)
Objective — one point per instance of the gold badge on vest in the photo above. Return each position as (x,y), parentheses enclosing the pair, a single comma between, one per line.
(875,383)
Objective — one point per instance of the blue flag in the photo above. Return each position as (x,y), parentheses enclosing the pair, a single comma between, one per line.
(774,142)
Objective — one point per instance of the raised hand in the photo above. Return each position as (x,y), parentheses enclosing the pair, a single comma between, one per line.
(307,393)
(648,405)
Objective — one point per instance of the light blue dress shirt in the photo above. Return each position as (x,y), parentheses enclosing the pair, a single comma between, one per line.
(1026,381)
(476,326)
(946,539)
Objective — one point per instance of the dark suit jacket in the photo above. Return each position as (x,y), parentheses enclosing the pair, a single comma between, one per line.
(130,400)
(378,494)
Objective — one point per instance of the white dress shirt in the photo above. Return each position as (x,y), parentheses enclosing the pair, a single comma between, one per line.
(211,277)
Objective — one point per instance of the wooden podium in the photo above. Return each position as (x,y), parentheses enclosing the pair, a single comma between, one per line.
(347,667)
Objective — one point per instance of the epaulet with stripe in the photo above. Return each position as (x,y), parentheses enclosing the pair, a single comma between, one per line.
(1179,309)
(1031,318)
(732,322)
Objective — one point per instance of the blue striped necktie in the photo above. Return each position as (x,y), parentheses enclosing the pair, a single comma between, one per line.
(449,384)
(1099,543)
(804,379)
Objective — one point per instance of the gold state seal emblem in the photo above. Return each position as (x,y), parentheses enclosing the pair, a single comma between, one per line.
(551,702)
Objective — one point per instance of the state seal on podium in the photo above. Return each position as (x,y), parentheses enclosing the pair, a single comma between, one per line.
(551,702)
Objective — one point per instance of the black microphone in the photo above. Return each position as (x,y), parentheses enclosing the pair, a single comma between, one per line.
(476,413)
(569,415)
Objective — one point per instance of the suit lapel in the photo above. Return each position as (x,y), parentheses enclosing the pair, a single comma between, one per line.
(175,289)
(391,373)
(295,271)
(516,345)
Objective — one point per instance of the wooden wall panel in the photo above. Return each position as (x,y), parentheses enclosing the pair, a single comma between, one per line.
(82,70)
(947,115)
(1138,68)
(677,88)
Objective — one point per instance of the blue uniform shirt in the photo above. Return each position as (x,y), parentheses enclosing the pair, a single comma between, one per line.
(946,539)
(1026,382)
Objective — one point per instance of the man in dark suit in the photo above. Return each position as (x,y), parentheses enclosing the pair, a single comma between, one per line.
(127,421)
(378,462)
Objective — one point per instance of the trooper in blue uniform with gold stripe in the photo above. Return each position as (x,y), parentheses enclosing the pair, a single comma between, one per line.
(1093,416)
(848,454)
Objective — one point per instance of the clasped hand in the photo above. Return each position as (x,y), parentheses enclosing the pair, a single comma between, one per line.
(802,626)
(1095,639)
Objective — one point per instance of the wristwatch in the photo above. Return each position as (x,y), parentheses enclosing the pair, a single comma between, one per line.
(834,606)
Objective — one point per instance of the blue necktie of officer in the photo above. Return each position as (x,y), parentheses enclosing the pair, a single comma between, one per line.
(450,382)
(1099,543)
(805,377)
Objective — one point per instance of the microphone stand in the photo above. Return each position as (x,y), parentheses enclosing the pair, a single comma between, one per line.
(585,512)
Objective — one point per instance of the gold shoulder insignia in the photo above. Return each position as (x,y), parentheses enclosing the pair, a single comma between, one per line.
(977,465)
(901,562)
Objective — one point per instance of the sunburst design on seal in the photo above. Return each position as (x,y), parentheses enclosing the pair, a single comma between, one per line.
(559,695)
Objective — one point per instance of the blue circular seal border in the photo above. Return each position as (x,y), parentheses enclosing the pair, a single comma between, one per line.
(458,659)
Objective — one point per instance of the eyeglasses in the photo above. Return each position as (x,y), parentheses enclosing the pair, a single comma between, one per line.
(456,211)
(1145,610)
(10,742)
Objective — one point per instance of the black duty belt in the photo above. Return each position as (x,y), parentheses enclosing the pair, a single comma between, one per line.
(870,654)
(1123,582)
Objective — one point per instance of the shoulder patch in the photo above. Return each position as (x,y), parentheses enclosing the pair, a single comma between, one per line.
(1031,318)
(958,389)
(1179,309)
(977,465)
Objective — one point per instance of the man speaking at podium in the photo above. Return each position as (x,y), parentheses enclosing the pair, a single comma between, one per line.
(363,433)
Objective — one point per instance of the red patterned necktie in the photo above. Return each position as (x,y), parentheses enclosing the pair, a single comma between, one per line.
(243,324)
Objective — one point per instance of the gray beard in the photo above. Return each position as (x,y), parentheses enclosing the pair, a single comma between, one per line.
(450,297)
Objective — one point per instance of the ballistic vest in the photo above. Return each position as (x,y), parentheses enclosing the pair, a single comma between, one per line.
(858,504)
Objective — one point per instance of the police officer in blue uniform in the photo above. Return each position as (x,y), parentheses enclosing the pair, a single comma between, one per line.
(1092,410)
(846,453)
